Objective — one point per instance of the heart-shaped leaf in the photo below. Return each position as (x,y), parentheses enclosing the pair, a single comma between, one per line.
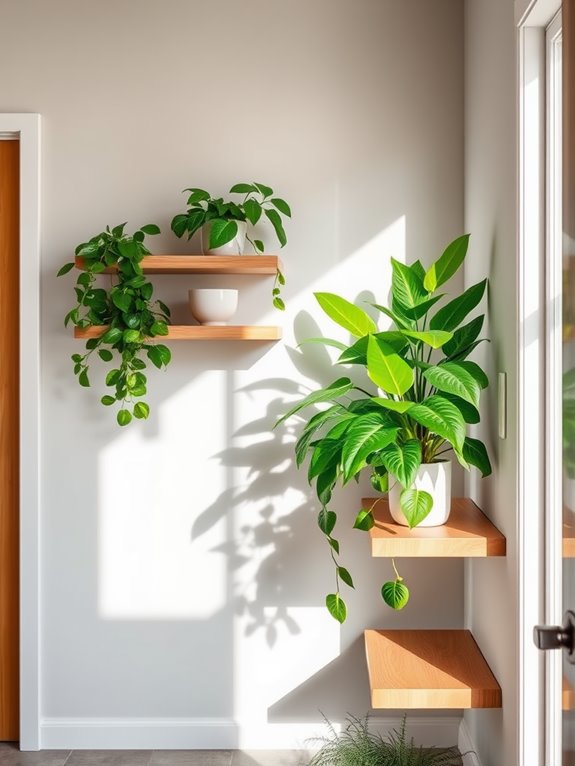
(326,521)
(395,594)
(415,505)
(221,232)
(364,520)
(403,461)
(336,607)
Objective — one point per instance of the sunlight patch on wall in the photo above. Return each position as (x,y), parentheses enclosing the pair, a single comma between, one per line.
(149,497)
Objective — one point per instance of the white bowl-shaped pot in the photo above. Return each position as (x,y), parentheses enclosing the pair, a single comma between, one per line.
(234,247)
(434,478)
(212,306)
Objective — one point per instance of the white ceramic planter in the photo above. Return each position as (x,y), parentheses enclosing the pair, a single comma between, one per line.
(213,307)
(434,478)
(233,247)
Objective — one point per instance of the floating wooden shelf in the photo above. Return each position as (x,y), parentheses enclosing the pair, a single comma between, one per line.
(198,332)
(428,669)
(567,695)
(468,532)
(568,534)
(204,264)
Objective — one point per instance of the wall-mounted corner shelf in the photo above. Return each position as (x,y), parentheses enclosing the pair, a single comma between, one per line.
(467,533)
(204,264)
(197,332)
(428,669)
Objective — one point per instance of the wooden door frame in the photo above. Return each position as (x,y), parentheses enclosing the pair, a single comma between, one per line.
(26,127)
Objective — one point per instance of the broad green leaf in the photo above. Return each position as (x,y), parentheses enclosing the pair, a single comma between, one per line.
(159,328)
(282,206)
(447,264)
(325,483)
(365,435)
(122,301)
(274,217)
(65,269)
(259,246)
(433,338)
(112,377)
(105,355)
(180,224)
(141,410)
(108,400)
(326,455)
(395,594)
(453,313)
(475,453)
(364,520)
(400,322)
(337,388)
(197,195)
(346,314)
(406,286)
(195,219)
(221,232)
(344,575)
(476,372)
(326,342)
(453,378)
(464,337)
(315,423)
(83,379)
(267,191)
(336,607)
(243,189)
(326,521)
(253,211)
(469,412)
(387,369)
(113,335)
(415,505)
(357,353)
(380,482)
(403,461)
(421,309)
(467,351)
(150,228)
(441,417)
(391,404)
(124,417)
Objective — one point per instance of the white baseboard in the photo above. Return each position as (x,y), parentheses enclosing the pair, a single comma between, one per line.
(465,745)
(216,734)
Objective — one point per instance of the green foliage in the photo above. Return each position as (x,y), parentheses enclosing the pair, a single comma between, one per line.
(222,217)
(128,311)
(356,745)
(426,392)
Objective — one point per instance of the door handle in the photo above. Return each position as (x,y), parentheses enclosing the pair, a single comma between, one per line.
(548,637)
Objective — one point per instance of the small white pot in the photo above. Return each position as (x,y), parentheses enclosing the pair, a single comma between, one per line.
(434,478)
(233,247)
(213,307)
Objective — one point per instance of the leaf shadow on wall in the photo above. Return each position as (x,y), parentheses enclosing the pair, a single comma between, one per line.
(264,546)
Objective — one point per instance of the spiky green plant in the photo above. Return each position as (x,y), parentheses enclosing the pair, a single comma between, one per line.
(356,745)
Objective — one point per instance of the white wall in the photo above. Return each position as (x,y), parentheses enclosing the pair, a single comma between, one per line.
(490,214)
(183,577)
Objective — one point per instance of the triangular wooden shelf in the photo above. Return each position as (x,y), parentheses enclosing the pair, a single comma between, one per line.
(467,533)
(428,669)
(204,264)
(197,332)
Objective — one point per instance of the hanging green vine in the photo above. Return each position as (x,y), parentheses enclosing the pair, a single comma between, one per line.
(128,312)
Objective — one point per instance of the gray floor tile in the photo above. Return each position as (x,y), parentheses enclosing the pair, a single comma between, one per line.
(191,758)
(270,758)
(109,758)
(10,755)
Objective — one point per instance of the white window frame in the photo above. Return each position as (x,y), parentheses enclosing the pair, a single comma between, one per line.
(26,127)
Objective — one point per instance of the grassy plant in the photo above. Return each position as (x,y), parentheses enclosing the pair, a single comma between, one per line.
(356,745)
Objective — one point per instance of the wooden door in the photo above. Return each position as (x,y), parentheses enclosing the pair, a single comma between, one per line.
(9,437)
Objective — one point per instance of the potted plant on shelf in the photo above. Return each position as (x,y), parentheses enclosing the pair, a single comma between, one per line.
(223,224)
(127,311)
(426,392)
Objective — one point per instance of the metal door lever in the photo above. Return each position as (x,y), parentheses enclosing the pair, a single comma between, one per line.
(548,637)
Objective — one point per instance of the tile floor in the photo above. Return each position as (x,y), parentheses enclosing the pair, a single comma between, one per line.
(11,756)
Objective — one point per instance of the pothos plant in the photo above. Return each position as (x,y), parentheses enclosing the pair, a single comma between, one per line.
(127,310)
(423,393)
(258,199)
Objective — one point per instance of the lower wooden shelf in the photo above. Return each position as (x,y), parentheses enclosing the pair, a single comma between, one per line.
(428,669)
(198,332)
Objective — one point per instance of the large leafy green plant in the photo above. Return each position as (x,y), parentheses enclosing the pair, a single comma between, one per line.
(129,313)
(257,200)
(426,393)
(357,745)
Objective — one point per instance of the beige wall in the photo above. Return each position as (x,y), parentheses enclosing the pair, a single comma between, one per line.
(183,578)
(490,214)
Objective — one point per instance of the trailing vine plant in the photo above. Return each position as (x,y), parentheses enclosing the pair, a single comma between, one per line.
(127,310)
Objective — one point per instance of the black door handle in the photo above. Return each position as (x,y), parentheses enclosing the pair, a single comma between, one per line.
(548,637)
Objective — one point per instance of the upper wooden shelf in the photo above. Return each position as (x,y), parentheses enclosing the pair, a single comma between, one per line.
(198,332)
(204,264)
(467,533)
(428,669)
